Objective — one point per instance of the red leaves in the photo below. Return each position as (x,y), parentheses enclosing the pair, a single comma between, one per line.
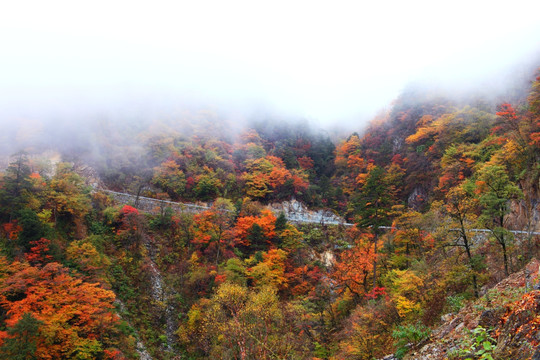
(377,292)
(12,230)
(305,162)
(113,354)
(507,111)
(212,231)
(535,139)
(129,210)
(220,279)
(398,160)
(303,279)
(38,255)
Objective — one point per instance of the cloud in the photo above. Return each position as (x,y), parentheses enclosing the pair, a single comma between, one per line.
(329,61)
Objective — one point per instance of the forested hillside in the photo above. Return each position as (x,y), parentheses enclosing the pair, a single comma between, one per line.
(443,194)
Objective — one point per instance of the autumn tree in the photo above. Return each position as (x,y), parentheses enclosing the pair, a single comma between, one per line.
(410,241)
(270,271)
(68,198)
(268,177)
(373,204)
(304,280)
(238,323)
(84,256)
(212,229)
(39,253)
(407,289)
(355,267)
(208,185)
(169,177)
(75,318)
(366,333)
(350,163)
(460,206)
(518,131)
(456,165)
(130,230)
(534,108)
(255,233)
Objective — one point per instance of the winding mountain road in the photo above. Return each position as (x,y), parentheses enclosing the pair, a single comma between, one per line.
(297,214)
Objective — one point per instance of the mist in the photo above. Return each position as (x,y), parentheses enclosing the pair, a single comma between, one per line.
(67,67)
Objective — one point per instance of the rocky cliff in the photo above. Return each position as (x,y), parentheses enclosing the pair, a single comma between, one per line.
(510,315)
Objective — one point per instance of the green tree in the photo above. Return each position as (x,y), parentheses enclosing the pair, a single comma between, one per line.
(22,340)
(373,204)
(496,190)
(281,222)
(68,196)
(32,228)
(169,177)
(15,186)
(208,187)
(461,207)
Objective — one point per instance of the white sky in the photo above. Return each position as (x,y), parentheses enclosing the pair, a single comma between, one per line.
(324,60)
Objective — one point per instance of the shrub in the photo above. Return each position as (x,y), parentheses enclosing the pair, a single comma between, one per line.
(409,334)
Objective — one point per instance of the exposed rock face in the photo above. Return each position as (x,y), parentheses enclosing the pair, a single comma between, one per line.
(417,198)
(525,215)
(89,174)
(328,258)
(491,318)
(295,211)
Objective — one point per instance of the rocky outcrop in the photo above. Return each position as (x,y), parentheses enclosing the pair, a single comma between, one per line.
(520,332)
(295,211)
(514,324)
(161,294)
(525,215)
(417,198)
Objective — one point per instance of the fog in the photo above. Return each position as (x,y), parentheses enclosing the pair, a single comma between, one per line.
(66,63)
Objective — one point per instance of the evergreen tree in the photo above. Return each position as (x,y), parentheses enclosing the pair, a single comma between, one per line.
(22,340)
(15,187)
(496,190)
(32,228)
(373,205)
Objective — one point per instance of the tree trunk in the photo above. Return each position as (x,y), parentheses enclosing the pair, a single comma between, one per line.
(505,256)
(375,261)
(469,256)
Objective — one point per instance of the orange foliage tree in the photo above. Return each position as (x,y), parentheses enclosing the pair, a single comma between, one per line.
(353,270)
(250,229)
(268,175)
(271,271)
(212,229)
(76,317)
